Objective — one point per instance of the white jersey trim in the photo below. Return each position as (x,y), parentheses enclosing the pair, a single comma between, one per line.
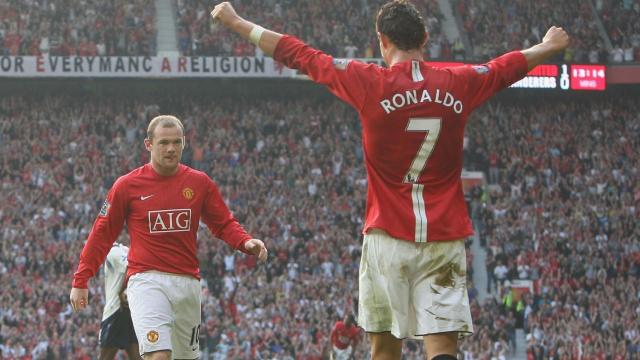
(419,212)
(415,71)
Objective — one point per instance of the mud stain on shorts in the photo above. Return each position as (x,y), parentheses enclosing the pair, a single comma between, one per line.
(446,275)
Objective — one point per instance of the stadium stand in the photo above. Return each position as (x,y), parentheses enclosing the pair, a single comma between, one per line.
(91,28)
(303,158)
(321,24)
(496,26)
(622,21)
(86,28)
(563,213)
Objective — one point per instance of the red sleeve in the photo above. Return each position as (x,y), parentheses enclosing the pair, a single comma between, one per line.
(483,81)
(220,220)
(105,231)
(334,333)
(349,80)
(356,336)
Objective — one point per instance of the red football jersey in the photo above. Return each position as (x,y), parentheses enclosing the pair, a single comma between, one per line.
(413,118)
(342,336)
(162,215)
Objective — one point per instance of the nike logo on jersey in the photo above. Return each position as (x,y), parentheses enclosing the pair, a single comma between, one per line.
(143,198)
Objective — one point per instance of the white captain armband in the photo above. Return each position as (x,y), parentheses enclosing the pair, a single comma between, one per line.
(256,34)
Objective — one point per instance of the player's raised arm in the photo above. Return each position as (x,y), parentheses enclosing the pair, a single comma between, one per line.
(266,40)
(348,80)
(554,41)
(483,81)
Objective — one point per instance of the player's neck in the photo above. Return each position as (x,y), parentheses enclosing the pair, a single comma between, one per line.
(397,56)
(163,171)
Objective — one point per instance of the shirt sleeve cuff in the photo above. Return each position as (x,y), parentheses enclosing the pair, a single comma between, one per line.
(242,248)
(80,283)
(285,43)
(521,67)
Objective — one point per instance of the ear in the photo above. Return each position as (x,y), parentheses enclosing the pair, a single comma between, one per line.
(426,38)
(384,40)
(148,144)
(184,142)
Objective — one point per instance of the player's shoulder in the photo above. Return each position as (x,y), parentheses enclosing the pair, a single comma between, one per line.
(467,70)
(444,69)
(195,174)
(132,175)
(353,65)
(123,181)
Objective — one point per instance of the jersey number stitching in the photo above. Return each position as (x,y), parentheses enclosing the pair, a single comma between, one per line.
(432,127)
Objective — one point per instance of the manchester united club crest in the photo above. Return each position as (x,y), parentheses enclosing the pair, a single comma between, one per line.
(188,193)
(153,336)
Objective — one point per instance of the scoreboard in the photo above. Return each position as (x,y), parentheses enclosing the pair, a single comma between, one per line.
(547,76)
(565,77)
(588,77)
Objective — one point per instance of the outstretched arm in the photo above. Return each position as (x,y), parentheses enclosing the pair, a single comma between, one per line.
(266,40)
(553,42)
(348,80)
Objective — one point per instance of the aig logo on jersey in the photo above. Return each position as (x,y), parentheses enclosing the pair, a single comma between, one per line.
(172,220)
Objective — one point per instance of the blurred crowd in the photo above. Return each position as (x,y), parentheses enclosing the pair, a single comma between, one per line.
(560,210)
(341,28)
(299,185)
(621,19)
(84,28)
(497,26)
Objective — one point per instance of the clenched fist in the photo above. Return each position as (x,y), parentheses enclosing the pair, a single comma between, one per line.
(225,14)
(557,38)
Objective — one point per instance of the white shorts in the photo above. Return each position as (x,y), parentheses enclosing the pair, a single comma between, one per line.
(340,354)
(413,289)
(165,309)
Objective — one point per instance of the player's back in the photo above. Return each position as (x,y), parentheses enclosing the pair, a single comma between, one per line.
(413,130)
(413,119)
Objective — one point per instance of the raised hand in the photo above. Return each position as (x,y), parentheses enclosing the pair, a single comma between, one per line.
(224,13)
(557,38)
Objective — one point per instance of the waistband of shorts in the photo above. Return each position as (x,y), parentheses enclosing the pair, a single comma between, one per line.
(185,276)
(381,232)
(378,231)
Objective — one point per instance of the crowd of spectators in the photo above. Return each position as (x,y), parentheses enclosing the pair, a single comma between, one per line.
(85,28)
(497,26)
(341,28)
(621,19)
(560,210)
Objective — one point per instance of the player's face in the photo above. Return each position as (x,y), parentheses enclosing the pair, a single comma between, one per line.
(166,148)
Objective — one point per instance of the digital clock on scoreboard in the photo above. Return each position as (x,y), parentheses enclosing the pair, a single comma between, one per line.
(588,77)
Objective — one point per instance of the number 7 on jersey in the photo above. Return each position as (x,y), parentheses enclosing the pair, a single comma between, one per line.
(432,127)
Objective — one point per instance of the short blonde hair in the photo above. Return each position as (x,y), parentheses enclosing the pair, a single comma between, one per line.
(165,121)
